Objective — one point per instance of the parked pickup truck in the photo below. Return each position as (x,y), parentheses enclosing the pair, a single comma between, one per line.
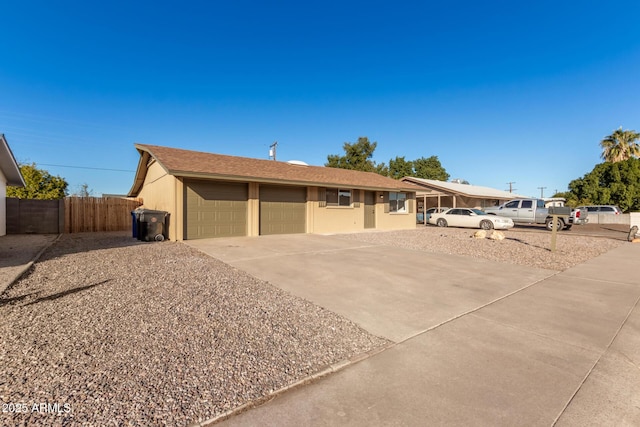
(532,211)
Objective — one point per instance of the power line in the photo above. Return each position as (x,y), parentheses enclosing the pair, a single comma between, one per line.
(541,192)
(86,167)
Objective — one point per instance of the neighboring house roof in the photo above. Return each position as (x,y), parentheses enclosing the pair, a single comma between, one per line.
(195,164)
(9,166)
(475,191)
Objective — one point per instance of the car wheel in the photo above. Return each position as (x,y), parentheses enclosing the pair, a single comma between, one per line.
(441,222)
(485,224)
(549,224)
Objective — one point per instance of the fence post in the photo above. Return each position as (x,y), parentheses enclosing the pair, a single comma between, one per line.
(60,216)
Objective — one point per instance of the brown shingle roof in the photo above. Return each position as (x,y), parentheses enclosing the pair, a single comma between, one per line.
(208,165)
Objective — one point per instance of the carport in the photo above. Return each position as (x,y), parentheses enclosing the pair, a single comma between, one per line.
(435,193)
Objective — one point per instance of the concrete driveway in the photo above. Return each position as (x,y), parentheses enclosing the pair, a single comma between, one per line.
(391,292)
(479,342)
(18,252)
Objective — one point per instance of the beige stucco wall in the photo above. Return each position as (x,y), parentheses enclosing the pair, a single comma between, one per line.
(253,206)
(326,220)
(159,193)
(332,219)
(395,221)
(165,192)
(3,204)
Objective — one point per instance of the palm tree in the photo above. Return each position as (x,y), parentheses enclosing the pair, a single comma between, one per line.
(620,145)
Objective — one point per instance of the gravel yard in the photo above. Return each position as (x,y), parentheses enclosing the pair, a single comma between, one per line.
(519,247)
(130,333)
(120,332)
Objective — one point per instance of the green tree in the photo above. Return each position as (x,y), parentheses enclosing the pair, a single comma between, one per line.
(609,183)
(571,198)
(357,156)
(399,168)
(429,168)
(620,145)
(382,169)
(39,185)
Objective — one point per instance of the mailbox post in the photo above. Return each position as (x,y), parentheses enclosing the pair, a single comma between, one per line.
(555,212)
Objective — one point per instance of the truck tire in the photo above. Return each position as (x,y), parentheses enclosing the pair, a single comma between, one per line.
(549,224)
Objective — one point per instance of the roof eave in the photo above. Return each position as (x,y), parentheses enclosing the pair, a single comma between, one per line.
(244,178)
(438,188)
(449,191)
(9,166)
(146,152)
(141,171)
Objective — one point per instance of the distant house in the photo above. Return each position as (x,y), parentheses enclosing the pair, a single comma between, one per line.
(213,195)
(9,176)
(433,193)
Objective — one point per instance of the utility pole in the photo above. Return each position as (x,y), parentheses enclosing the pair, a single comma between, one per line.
(511,189)
(272,150)
(541,192)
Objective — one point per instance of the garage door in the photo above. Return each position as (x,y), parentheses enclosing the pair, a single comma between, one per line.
(215,209)
(282,210)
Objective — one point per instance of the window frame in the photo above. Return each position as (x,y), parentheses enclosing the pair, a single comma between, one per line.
(514,204)
(335,194)
(393,207)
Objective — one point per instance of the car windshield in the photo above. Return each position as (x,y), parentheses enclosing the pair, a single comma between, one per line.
(478,212)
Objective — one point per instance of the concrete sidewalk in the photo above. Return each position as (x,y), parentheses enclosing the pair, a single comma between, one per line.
(564,349)
(17,254)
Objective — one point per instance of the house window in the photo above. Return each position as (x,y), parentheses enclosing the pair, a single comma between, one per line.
(398,202)
(338,197)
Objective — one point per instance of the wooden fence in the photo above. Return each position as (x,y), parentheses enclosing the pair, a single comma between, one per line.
(87,214)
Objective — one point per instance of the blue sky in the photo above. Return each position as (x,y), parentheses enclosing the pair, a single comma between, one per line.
(500,91)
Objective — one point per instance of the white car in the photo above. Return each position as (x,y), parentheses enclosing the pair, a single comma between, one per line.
(472,218)
(602,209)
(428,212)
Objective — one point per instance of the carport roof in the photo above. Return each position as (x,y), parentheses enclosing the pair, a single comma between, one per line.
(468,190)
(195,164)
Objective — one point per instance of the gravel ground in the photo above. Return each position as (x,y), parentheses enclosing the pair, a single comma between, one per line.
(110,331)
(519,247)
(131,333)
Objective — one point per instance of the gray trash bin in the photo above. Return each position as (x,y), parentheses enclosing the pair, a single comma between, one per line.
(152,225)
